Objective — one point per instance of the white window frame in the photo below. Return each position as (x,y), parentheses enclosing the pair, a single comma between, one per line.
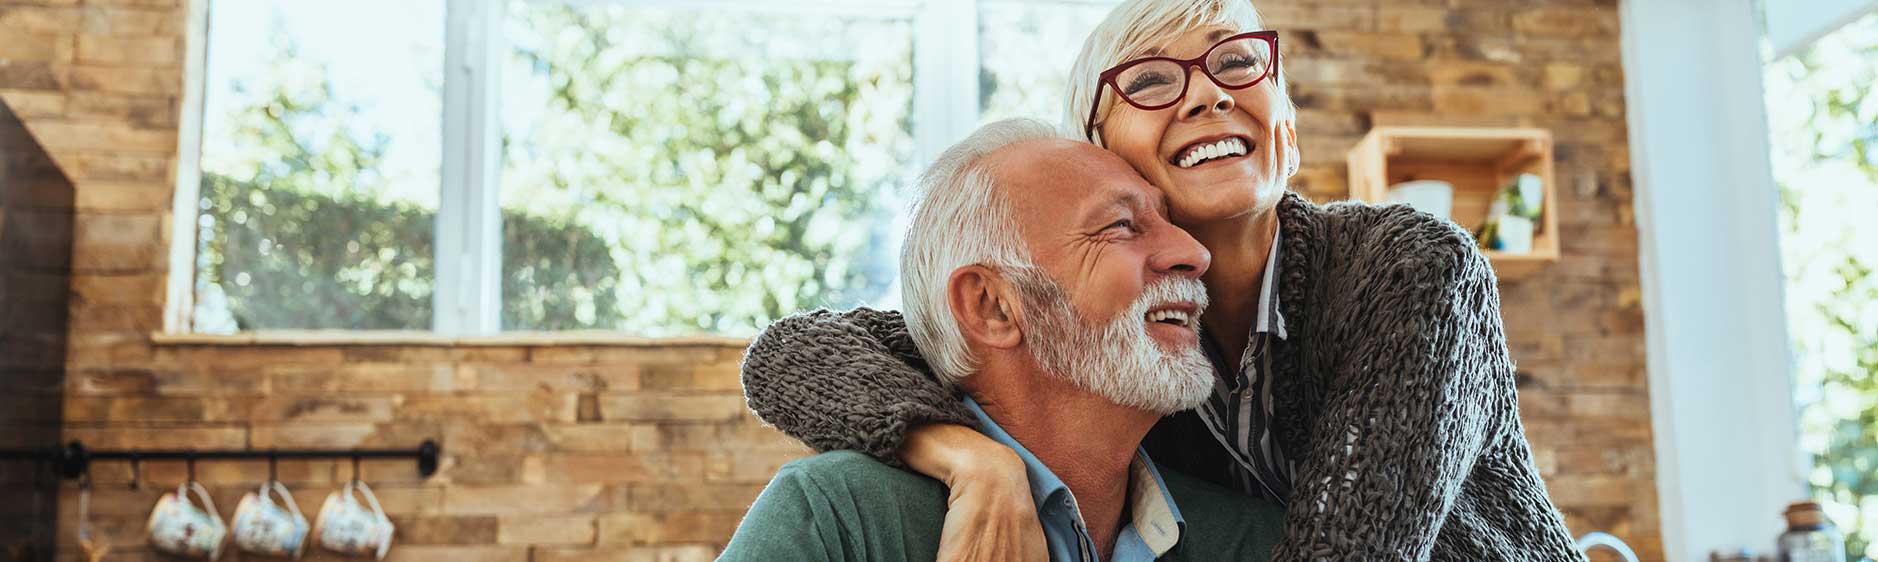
(467,294)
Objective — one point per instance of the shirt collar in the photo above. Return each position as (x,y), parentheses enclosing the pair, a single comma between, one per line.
(1155,520)
(1270,320)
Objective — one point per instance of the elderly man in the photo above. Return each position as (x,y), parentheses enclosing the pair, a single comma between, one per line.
(1071,332)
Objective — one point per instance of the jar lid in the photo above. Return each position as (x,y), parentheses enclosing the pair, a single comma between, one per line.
(1804,514)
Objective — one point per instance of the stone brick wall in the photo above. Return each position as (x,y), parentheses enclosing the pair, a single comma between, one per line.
(1576,328)
(640,450)
(551,452)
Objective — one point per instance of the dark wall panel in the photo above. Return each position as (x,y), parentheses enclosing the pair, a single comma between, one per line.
(35,278)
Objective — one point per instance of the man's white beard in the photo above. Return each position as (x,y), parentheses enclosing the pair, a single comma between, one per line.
(1118,361)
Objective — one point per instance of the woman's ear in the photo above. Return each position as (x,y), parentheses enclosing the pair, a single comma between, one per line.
(985,307)
(1290,132)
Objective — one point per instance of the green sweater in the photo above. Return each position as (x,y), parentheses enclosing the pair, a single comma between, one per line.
(844,506)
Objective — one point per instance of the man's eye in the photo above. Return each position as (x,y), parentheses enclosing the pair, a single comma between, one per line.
(1124,223)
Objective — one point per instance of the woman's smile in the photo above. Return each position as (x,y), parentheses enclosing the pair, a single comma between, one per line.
(1221,158)
(1222,148)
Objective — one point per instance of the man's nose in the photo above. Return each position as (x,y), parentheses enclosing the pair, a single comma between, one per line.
(1178,253)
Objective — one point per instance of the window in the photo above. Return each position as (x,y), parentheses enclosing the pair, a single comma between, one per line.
(1825,156)
(1030,86)
(680,169)
(647,166)
(319,165)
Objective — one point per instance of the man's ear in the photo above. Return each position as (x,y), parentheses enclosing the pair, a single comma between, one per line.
(985,306)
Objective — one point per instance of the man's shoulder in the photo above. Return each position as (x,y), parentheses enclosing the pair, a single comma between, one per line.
(1223,524)
(842,505)
(845,463)
(855,475)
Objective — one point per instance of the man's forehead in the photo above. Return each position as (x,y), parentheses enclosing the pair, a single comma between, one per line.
(1071,176)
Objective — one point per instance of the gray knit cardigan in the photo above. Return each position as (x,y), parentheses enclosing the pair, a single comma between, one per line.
(1393,392)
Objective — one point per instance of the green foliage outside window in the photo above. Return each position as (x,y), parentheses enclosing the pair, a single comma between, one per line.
(739,167)
(1823,110)
(669,174)
(289,251)
(296,236)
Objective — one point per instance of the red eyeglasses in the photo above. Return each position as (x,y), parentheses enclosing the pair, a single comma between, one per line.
(1152,83)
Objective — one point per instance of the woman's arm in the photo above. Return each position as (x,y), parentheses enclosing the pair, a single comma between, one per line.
(990,515)
(850,380)
(855,380)
(1410,408)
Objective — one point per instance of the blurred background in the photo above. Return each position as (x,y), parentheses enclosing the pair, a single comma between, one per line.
(540,233)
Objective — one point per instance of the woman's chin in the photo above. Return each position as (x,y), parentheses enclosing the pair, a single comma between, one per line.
(1220,193)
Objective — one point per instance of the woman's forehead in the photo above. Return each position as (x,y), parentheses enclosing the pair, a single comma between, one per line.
(1201,38)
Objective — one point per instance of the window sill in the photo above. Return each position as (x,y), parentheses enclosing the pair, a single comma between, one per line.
(395,337)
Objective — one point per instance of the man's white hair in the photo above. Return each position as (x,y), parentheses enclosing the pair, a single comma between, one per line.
(959,220)
(1128,32)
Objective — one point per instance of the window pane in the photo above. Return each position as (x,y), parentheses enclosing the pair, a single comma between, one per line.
(686,170)
(1026,48)
(320,165)
(1822,112)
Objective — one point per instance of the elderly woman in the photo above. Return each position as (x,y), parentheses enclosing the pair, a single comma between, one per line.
(1363,380)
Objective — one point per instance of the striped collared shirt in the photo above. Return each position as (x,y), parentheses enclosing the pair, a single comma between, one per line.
(1239,412)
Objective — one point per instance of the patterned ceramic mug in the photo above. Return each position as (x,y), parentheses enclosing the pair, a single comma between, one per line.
(349,527)
(179,527)
(266,528)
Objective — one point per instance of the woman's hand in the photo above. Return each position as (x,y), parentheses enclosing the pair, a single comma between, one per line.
(990,515)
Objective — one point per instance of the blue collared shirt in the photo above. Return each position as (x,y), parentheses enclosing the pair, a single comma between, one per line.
(1154,525)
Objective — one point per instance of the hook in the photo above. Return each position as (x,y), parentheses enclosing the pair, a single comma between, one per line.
(191,459)
(355,467)
(136,471)
(273,466)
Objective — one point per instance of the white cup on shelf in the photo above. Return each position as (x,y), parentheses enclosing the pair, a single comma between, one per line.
(1434,197)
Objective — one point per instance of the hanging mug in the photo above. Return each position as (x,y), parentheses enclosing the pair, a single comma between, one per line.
(349,527)
(266,528)
(93,547)
(179,527)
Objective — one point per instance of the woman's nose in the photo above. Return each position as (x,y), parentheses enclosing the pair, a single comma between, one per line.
(1203,95)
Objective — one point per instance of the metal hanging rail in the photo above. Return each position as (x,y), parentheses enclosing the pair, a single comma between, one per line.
(74,459)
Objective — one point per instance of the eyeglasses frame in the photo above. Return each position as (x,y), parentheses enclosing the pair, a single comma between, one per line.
(1107,78)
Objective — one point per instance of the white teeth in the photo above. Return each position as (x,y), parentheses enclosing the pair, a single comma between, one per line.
(1222,148)
(1179,318)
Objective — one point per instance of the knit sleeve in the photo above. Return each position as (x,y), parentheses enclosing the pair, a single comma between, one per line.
(847,380)
(1409,408)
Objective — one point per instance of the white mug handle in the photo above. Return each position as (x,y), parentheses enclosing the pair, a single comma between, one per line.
(281,490)
(202,493)
(369,497)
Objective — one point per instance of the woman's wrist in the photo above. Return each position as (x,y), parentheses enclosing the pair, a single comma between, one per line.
(953,453)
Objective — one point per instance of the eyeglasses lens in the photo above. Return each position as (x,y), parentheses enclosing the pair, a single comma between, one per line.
(1159,82)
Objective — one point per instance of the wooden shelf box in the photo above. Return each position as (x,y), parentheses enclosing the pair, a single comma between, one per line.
(1478,162)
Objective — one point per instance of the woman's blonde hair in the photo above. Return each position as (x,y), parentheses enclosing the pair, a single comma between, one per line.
(1131,30)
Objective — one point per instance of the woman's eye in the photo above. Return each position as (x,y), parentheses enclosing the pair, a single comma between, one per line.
(1239,61)
(1144,82)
